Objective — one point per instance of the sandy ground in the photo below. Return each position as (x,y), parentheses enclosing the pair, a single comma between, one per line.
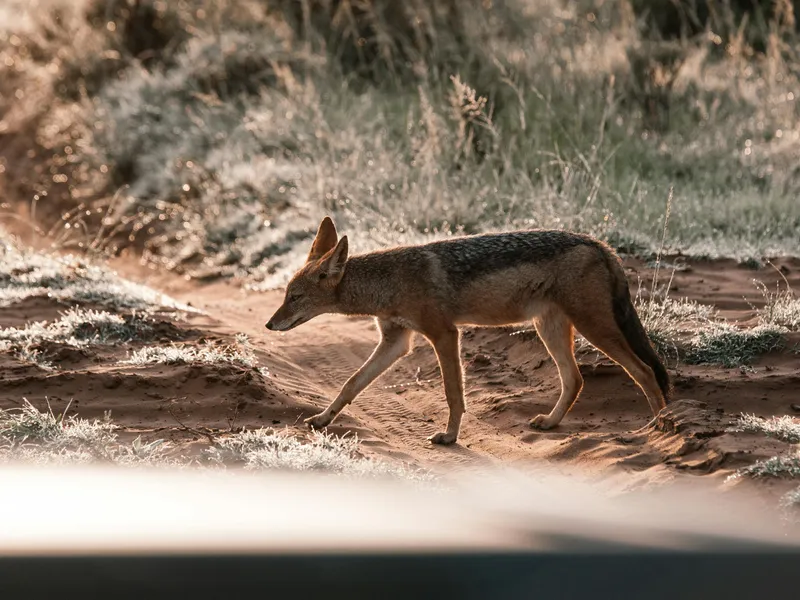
(509,379)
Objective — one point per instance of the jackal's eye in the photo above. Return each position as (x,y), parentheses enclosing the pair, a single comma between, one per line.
(293,297)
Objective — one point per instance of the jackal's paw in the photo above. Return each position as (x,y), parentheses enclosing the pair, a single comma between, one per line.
(319,421)
(542,422)
(443,438)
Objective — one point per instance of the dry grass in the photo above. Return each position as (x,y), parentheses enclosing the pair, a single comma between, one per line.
(781,307)
(777,466)
(671,321)
(786,465)
(69,279)
(784,428)
(77,328)
(268,449)
(205,354)
(33,436)
(30,435)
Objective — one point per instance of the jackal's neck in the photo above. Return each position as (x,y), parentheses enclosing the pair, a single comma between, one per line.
(358,291)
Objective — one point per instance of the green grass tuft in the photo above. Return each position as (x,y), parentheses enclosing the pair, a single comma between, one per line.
(727,346)
(777,466)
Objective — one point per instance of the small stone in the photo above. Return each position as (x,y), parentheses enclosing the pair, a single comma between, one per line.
(481,360)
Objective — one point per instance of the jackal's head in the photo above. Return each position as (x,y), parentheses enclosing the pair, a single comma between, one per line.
(312,290)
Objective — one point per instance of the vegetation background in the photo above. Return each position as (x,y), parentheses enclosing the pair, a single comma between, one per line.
(213,135)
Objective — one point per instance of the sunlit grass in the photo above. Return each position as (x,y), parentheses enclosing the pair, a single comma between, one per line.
(185,354)
(42,437)
(71,280)
(669,322)
(784,428)
(77,328)
(268,449)
(778,466)
(781,307)
(33,436)
(787,465)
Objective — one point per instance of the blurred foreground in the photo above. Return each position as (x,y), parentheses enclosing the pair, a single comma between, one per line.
(499,535)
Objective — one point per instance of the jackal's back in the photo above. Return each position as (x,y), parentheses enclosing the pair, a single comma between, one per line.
(467,259)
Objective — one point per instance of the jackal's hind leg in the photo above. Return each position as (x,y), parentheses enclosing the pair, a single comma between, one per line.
(395,343)
(606,337)
(556,331)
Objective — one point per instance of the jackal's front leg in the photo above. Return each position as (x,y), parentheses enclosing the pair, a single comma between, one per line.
(395,343)
(448,352)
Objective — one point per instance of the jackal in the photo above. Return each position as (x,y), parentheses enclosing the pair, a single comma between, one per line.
(561,281)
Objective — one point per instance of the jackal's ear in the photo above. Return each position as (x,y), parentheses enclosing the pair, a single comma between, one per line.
(325,240)
(332,266)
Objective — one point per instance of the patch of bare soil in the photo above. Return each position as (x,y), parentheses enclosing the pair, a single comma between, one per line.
(509,379)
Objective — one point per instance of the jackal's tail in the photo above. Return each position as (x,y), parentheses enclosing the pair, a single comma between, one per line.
(631,326)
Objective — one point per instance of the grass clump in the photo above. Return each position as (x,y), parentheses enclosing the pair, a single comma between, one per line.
(781,307)
(30,435)
(29,425)
(81,327)
(669,321)
(784,428)
(25,273)
(777,466)
(77,328)
(266,449)
(695,332)
(206,354)
(728,346)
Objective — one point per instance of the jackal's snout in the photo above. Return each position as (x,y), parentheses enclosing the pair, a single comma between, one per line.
(273,327)
(282,325)
(285,319)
